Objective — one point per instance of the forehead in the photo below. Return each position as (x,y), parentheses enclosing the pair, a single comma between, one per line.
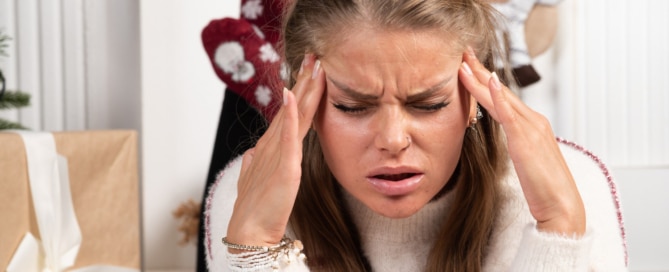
(373,60)
(365,35)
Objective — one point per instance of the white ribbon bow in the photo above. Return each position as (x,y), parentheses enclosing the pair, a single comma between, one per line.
(56,220)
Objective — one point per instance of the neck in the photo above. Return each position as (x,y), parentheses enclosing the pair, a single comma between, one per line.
(421,226)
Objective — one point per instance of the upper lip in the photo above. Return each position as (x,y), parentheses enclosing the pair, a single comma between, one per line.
(393,170)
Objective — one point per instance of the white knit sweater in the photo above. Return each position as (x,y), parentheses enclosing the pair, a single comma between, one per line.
(515,245)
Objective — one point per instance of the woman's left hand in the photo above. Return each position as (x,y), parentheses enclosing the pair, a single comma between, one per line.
(547,183)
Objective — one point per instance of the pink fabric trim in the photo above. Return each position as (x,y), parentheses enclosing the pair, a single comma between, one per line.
(210,197)
(612,186)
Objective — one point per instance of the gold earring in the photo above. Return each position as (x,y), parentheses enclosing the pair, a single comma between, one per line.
(473,122)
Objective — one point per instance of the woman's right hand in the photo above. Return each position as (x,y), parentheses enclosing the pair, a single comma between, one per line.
(271,171)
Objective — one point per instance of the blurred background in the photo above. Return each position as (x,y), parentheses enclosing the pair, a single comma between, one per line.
(127,64)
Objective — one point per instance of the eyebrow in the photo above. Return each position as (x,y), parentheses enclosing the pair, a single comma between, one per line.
(429,92)
(353,93)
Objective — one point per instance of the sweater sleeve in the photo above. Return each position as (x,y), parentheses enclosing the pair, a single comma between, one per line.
(540,251)
(219,204)
(516,244)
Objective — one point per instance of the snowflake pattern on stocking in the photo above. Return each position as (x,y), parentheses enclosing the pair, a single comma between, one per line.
(263,95)
(229,57)
(252,9)
(283,73)
(267,53)
(258,32)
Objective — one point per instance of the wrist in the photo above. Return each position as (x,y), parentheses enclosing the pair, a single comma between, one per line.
(257,257)
(562,228)
(251,234)
(569,223)
(238,244)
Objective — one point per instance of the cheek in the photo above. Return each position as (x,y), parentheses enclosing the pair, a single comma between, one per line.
(343,143)
(339,136)
(442,137)
(453,119)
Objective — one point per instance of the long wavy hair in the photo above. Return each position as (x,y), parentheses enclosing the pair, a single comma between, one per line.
(319,218)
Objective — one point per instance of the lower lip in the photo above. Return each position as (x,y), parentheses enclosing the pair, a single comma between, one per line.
(396,188)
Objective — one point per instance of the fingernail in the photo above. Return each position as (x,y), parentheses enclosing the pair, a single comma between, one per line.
(285,96)
(468,70)
(495,81)
(302,65)
(317,66)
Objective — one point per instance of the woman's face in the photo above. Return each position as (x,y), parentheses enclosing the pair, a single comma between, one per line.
(393,117)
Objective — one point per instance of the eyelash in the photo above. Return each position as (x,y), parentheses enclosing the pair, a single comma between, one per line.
(361,109)
(348,109)
(431,107)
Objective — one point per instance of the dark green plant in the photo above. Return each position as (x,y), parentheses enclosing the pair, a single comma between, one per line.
(14,100)
(10,99)
(4,39)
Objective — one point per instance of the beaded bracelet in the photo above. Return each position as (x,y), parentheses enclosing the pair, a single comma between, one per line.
(256,257)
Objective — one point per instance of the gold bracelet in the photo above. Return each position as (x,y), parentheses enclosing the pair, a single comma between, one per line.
(267,256)
(284,241)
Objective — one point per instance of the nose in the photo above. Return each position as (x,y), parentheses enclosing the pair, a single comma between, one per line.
(392,132)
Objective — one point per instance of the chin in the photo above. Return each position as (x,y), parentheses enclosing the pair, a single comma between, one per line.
(396,208)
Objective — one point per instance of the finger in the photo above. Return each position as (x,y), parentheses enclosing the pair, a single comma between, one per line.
(309,102)
(290,149)
(483,75)
(478,83)
(479,71)
(304,76)
(308,91)
(506,114)
(480,91)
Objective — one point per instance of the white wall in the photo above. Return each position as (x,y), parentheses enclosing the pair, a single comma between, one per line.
(181,101)
(613,97)
(78,59)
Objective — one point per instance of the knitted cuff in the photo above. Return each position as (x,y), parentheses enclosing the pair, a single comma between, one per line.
(541,251)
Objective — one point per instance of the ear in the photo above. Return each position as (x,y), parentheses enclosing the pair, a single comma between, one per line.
(472,107)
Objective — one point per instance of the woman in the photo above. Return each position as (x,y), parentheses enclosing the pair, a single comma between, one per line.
(397,150)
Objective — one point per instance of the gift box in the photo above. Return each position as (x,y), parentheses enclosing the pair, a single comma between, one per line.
(102,167)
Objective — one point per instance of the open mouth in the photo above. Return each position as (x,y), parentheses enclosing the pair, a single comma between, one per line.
(395,177)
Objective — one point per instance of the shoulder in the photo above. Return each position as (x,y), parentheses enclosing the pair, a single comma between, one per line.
(218,207)
(584,164)
(603,211)
(602,205)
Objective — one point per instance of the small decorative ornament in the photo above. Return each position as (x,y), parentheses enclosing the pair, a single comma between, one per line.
(475,120)
(189,214)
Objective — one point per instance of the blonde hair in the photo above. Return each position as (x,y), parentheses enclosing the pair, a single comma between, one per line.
(319,217)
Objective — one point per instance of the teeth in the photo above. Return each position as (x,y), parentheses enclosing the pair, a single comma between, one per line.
(395,177)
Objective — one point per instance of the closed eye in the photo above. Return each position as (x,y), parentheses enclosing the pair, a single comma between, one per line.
(430,107)
(350,109)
